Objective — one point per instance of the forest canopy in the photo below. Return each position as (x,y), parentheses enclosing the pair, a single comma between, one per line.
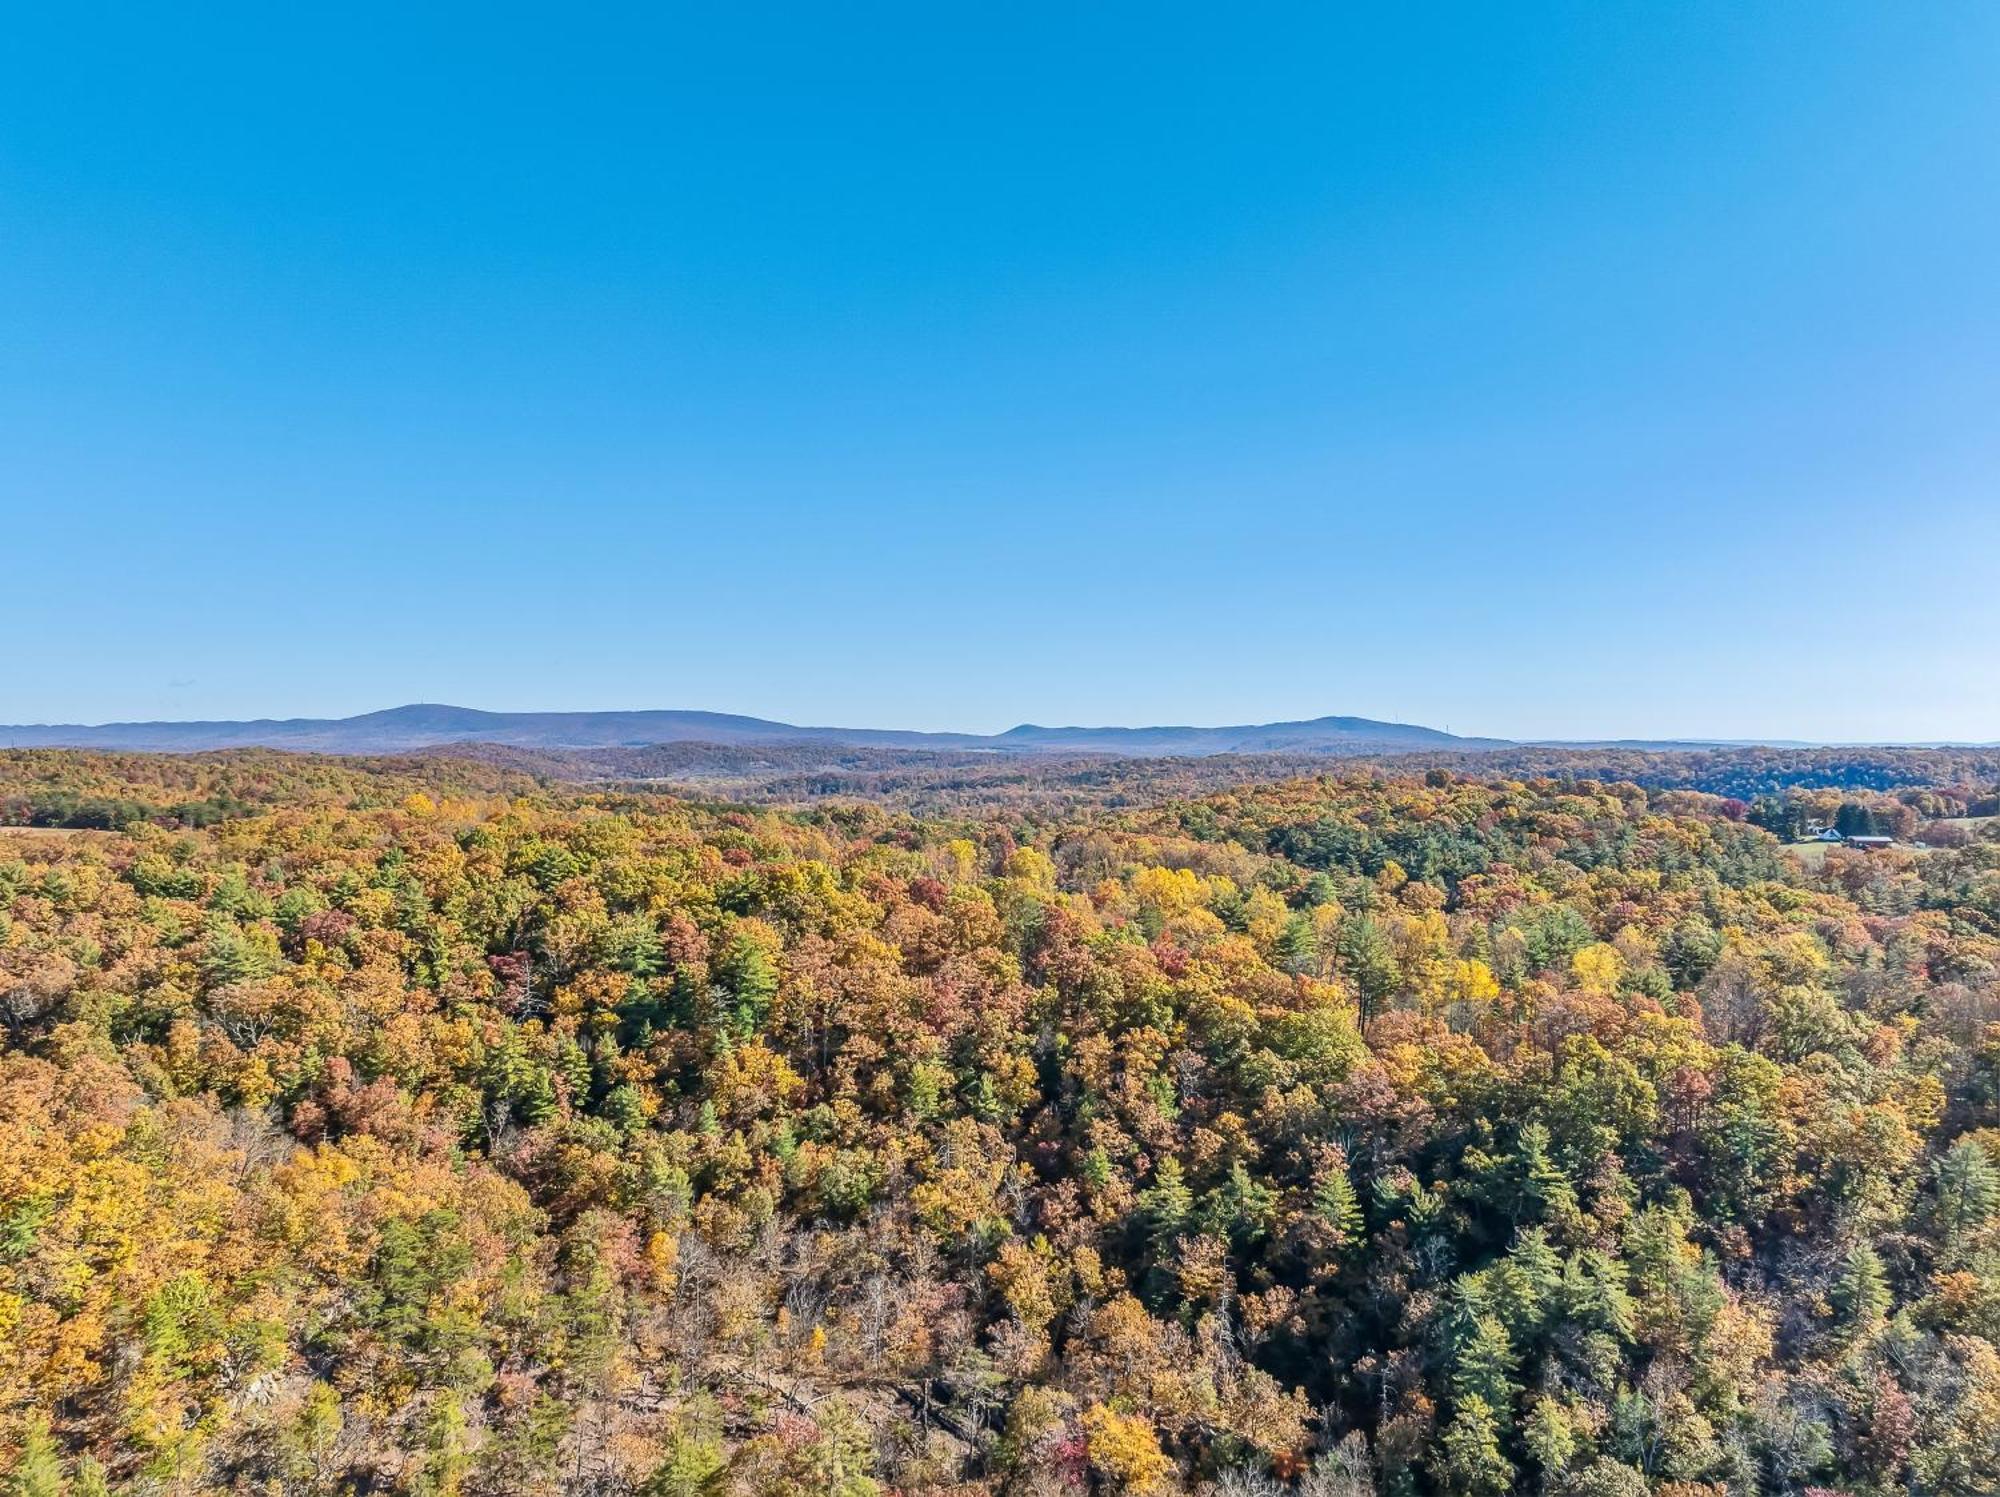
(440,1126)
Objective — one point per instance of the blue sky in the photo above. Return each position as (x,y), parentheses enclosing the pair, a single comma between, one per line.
(1537,370)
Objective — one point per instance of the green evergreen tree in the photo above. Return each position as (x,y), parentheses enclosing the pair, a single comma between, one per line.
(445,1461)
(1166,1207)
(1550,1436)
(1336,1203)
(1241,1208)
(1483,1364)
(1298,946)
(91,1479)
(749,983)
(1861,1294)
(1368,961)
(1546,1191)
(1968,1191)
(1473,1464)
(38,1469)
(572,1065)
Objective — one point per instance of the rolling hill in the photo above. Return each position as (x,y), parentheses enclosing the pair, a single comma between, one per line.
(426,725)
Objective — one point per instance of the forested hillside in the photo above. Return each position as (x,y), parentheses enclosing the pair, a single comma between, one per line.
(417,1128)
(103,792)
(939,782)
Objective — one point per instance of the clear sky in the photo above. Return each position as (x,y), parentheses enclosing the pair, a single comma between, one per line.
(1573,370)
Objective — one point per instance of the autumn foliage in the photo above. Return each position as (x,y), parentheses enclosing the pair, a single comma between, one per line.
(423,1130)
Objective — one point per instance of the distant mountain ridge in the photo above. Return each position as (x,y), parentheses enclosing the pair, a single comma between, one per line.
(1319,734)
(429,725)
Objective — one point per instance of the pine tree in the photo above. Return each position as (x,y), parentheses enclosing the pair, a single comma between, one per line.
(1241,1209)
(1473,1464)
(572,1065)
(1167,1205)
(1549,1433)
(749,982)
(443,1471)
(1861,1294)
(91,1480)
(1525,1285)
(1968,1191)
(38,1470)
(1297,947)
(1369,962)
(1336,1204)
(1485,1363)
(1545,1187)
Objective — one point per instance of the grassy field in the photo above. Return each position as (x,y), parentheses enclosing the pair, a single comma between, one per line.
(1813,854)
(48,834)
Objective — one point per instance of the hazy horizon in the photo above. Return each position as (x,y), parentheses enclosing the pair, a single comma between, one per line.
(1774,739)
